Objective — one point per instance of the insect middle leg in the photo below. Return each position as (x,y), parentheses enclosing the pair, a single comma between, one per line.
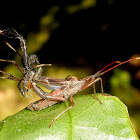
(72,105)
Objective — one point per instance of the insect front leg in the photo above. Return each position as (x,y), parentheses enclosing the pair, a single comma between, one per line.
(72,105)
(45,95)
(21,89)
(11,33)
(38,73)
(92,81)
(96,80)
(43,103)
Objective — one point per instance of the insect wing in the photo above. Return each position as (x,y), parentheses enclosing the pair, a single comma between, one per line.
(51,83)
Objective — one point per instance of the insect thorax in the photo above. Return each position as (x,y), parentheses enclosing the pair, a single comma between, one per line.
(27,80)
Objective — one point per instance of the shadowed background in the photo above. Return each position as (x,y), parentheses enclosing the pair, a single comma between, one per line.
(79,37)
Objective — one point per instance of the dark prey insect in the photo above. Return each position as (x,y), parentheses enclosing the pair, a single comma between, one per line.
(62,88)
(30,76)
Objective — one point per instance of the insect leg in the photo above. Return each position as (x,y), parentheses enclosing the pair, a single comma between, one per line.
(14,62)
(98,79)
(13,48)
(95,97)
(72,105)
(45,95)
(38,73)
(11,33)
(10,76)
(21,89)
(41,104)
(91,81)
(101,82)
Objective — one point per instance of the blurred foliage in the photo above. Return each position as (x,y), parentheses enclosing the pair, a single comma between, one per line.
(121,83)
(83,5)
(47,24)
(121,87)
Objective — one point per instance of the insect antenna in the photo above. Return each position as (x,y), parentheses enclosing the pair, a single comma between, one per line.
(101,72)
(109,65)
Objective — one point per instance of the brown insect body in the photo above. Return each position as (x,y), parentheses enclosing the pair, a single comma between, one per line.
(62,89)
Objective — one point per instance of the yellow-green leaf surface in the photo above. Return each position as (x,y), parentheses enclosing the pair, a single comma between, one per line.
(87,120)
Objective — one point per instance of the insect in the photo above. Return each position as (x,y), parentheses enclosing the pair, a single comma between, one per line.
(31,77)
(72,86)
(62,89)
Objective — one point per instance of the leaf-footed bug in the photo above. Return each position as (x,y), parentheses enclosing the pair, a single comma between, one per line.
(62,88)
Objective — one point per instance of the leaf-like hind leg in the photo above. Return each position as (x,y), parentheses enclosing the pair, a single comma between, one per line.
(72,105)
(41,104)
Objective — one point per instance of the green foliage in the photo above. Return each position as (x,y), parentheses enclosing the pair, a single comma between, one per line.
(121,87)
(85,4)
(87,120)
(120,78)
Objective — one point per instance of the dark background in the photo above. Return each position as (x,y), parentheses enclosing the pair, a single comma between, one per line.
(103,33)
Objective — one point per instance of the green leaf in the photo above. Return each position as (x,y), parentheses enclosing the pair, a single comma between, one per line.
(88,119)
